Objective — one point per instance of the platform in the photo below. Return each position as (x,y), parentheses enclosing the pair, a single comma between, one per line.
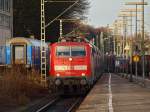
(113,93)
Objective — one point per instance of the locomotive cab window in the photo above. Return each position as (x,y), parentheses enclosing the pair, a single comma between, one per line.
(78,51)
(63,51)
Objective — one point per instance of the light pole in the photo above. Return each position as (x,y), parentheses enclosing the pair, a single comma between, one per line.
(131,79)
(143,50)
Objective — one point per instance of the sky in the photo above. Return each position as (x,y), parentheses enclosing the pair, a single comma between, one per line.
(103,12)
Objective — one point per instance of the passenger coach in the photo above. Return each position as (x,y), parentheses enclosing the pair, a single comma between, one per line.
(24,51)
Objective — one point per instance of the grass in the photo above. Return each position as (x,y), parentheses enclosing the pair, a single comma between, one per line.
(19,86)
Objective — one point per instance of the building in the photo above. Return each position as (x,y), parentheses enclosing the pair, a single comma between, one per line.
(108,45)
(6,25)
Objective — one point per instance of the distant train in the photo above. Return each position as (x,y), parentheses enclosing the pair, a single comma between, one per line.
(109,63)
(75,63)
(24,51)
(123,65)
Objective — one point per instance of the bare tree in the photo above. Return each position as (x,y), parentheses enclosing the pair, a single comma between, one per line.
(27,17)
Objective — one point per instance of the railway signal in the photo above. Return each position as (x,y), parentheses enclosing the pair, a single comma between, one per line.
(136,58)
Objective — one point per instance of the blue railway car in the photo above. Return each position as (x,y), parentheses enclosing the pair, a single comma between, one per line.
(24,51)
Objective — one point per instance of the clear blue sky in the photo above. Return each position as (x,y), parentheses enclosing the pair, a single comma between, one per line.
(103,12)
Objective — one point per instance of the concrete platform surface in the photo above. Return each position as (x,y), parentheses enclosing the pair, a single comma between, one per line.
(115,94)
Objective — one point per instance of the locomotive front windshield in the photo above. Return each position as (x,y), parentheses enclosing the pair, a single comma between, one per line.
(78,51)
(63,51)
(70,51)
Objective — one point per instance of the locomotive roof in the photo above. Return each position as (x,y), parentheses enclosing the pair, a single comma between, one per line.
(71,43)
(75,43)
(24,40)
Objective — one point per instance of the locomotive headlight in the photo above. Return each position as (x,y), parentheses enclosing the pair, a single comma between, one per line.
(70,59)
(83,74)
(58,75)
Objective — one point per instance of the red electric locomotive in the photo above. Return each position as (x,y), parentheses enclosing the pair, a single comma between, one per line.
(74,63)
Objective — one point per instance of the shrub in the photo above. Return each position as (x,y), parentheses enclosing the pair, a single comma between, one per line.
(21,85)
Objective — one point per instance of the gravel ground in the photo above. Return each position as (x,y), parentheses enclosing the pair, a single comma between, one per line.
(32,106)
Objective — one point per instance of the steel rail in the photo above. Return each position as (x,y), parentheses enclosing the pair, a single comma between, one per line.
(48,104)
(74,105)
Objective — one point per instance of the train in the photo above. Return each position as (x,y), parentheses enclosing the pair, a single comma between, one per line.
(124,65)
(75,63)
(24,51)
(70,63)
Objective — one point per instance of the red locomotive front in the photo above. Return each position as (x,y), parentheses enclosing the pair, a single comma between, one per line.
(70,63)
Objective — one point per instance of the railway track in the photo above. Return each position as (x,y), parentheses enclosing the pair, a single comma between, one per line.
(62,104)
